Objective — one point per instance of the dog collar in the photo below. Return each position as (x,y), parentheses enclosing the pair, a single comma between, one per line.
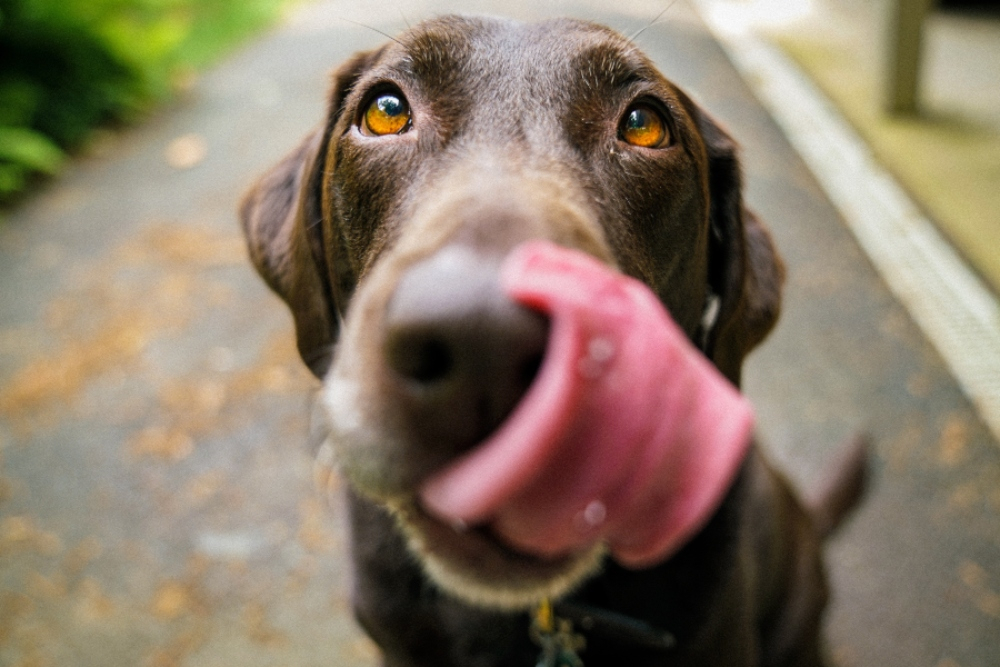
(553,631)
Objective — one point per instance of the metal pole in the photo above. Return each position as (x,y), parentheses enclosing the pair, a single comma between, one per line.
(904,57)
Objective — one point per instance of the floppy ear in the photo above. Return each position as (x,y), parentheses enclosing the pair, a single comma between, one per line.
(282,217)
(745,271)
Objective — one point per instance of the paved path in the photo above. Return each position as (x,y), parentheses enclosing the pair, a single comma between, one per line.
(156,506)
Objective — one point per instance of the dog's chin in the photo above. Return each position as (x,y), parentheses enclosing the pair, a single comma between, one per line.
(473,565)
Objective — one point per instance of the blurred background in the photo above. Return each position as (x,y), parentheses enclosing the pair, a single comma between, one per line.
(157,505)
(75,68)
(919,81)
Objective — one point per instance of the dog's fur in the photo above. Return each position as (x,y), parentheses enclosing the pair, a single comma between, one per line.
(515,136)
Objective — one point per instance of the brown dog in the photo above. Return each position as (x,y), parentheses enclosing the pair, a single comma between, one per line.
(384,231)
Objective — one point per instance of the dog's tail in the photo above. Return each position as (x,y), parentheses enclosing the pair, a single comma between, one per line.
(832,500)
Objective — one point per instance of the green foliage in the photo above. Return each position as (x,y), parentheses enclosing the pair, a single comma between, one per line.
(22,152)
(68,65)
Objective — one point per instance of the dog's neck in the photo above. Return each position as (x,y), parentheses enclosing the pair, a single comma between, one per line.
(616,626)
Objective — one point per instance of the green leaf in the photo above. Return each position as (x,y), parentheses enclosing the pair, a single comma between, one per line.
(30,149)
(12,177)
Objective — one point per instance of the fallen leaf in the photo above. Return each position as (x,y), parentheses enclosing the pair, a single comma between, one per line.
(92,604)
(170,444)
(954,441)
(314,532)
(172,600)
(21,532)
(259,628)
(40,586)
(186,151)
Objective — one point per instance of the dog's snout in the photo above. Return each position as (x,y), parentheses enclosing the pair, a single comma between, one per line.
(459,353)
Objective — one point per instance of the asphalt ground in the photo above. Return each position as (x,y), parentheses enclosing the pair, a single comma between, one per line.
(156,500)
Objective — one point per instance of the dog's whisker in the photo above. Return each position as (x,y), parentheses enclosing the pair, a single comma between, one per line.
(649,25)
(373,29)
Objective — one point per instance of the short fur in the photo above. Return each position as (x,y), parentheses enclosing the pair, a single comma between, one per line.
(515,137)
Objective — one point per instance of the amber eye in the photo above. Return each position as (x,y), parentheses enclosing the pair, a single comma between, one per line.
(643,126)
(388,113)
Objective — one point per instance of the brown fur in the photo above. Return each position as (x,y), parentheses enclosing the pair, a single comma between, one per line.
(514,137)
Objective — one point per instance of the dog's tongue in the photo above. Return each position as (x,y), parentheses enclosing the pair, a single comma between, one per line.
(628,434)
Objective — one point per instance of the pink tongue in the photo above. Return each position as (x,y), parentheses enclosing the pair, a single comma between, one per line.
(628,434)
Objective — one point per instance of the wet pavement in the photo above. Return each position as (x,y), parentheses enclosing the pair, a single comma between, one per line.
(156,500)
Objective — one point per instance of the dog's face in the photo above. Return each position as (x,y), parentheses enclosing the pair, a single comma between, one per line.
(441,152)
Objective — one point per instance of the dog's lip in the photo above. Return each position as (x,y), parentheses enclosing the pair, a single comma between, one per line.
(477,565)
(470,539)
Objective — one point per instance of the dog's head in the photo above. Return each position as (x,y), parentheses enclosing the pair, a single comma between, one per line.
(441,152)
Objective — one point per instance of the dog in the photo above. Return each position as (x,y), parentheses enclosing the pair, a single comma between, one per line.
(441,152)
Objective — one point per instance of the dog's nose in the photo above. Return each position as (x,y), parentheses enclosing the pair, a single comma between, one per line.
(460,354)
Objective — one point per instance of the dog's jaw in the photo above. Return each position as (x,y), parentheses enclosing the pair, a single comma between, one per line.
(474,566)
(469,563)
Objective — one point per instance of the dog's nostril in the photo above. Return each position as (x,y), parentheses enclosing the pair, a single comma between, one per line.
(459,354)
(424,359)
(529,369)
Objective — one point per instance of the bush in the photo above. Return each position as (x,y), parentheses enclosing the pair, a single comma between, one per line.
(68,65)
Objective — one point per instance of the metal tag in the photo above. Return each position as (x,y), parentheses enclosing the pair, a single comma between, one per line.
(560,645)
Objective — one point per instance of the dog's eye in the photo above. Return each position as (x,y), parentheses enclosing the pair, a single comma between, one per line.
(643,126)
(387,113)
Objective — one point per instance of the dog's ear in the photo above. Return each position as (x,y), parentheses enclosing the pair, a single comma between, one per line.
(282,218)
(746,273)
